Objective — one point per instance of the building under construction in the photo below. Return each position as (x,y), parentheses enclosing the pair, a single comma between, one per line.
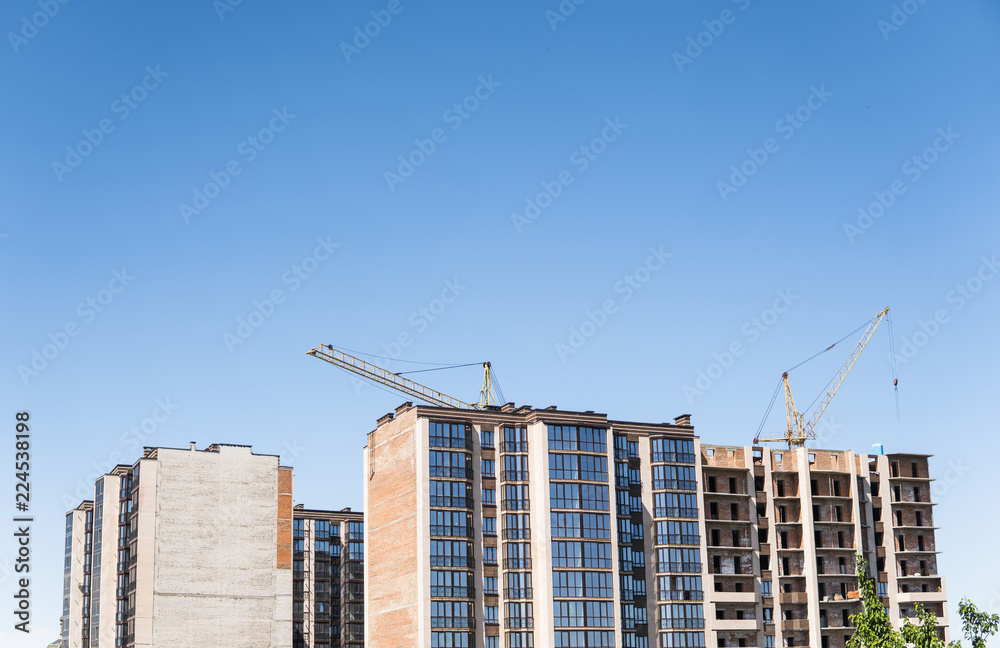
(515,526)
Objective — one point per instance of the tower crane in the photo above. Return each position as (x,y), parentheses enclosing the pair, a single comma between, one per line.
(799,429)
(490,393)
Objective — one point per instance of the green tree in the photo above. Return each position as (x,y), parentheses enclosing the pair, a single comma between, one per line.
(978,626)
(872,626)
(924,634)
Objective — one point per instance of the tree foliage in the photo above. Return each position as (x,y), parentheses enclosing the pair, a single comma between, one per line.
(873,627)
(978,626)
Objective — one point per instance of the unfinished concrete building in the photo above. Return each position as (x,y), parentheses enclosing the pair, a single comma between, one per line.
(514,526)
(784,527)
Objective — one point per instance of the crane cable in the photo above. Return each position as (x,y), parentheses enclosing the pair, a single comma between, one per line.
(892,360)
(774,397)
(437,366)
(777,389)
(467,364)
(372,355)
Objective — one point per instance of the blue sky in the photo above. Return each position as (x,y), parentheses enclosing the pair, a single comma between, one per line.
(823,107)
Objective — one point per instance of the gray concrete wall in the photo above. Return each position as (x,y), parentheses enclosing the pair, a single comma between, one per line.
(216,581)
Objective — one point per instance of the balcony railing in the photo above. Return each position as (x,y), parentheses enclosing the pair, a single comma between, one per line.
(516,534)
(450,471)
(679,595)
(681,624)
(451,531)
(675,484)
(517,563)
(451,502)
(451,442)
(452,561)
(513,446)
(677,539)
(672,567)
(517,592)
(519,622)
(682,512)
(447,591)
(673,457)
(513,475)
(453,622)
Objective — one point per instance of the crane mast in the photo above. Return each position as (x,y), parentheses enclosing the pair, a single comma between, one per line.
(799,430)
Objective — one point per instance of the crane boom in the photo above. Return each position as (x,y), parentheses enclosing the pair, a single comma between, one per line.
(841,376)
(385,377)
(798,430)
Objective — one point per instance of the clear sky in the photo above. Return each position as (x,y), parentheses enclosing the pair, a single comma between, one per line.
(602,200)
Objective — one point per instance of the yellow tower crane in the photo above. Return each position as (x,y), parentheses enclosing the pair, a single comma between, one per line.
(490,393)
(799,429)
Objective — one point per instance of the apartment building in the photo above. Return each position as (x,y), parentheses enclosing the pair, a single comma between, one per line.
(182,548)
(327,578)
(782,532)
(522,527)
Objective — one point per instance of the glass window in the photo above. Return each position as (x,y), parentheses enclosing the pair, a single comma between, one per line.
(449,435)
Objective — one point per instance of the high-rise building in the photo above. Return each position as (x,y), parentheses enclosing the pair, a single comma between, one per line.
(522,527)
(182,548)
(75,619)
(328,578)
(782,532)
